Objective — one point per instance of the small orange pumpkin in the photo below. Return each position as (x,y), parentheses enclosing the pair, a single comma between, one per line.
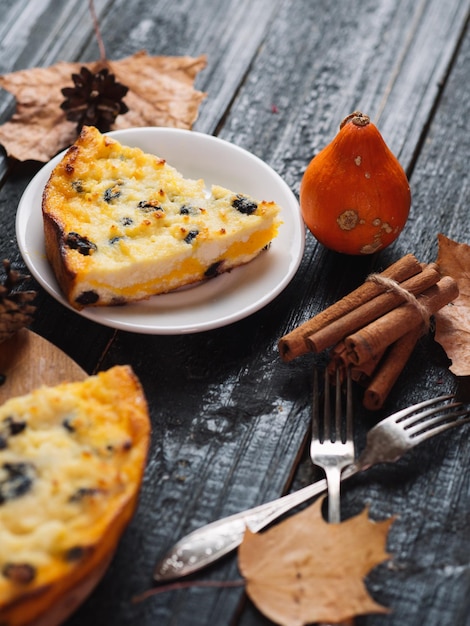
(354,195)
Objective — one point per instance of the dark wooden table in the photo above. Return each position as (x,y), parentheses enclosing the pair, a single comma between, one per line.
(230,419)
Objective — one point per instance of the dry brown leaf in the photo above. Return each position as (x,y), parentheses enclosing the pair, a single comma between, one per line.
(453,320)
(161,93)
(305,570)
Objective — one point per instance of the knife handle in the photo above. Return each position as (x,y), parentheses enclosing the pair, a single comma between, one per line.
(209,543)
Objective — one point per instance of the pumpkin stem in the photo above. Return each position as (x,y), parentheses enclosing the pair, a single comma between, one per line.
(357,118)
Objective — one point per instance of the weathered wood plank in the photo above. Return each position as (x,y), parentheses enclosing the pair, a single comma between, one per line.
(41,33)
(380,58)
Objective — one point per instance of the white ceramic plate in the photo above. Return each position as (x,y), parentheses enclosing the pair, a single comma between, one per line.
(213,303)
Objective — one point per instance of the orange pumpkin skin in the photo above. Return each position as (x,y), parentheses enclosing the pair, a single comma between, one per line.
(354,195)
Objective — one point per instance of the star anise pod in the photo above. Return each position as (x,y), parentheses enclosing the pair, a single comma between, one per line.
(15,308)
(96,99)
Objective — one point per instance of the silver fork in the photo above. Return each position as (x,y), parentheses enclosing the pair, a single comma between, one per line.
(387,441)
(332,447)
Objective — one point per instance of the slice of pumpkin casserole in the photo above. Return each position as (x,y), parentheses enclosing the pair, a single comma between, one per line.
(72,459)
(122,225)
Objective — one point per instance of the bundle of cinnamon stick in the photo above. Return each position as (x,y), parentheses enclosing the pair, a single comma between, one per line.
(374,329)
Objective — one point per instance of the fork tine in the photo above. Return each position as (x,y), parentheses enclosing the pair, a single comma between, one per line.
(437,424)
(349,405)
(439,429)
(327,408)
(400,416)
(315,405)
(338,433)
(417,418)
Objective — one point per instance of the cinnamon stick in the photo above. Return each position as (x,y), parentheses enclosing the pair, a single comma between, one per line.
(389,369)
(363,373)
(294,343)
(337,354)
(379,334)
(336,361)
(339,359)
(371,310)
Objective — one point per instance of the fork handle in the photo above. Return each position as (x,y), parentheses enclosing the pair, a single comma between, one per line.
(333,479)
(212,541)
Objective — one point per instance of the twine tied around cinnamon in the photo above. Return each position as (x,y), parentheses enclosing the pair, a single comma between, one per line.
(389,284)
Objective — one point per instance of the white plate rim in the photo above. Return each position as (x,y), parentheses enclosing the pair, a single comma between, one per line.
(247,289)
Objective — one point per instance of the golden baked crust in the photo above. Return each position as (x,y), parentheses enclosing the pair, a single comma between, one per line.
(121,225)
(72,459)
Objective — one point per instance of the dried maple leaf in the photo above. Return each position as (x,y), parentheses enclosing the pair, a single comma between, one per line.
(161,93)
(305,570)
(453,320)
